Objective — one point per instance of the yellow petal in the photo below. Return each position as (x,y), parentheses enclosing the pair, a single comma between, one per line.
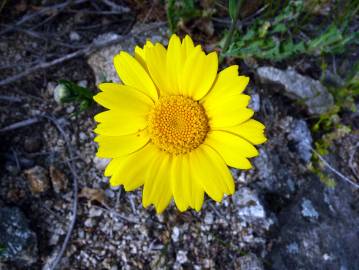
(233,101)
(251,130)
(117,146)
(174,63)
(140,55)
(199,73)
(122,126)
(156,63)
(180,182)
(227,83)
(129,170)
(211,172)
(157,188)
(187,46)
(133,74)
(124,99)
(229,116)
(112,166)
(233,149)
(116,122)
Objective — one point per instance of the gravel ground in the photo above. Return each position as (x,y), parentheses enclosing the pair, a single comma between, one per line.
(274,220)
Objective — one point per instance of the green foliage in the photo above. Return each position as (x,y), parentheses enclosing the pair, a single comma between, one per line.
(232,9)
(329,124)
(74,93)
(182,10)
(272,39)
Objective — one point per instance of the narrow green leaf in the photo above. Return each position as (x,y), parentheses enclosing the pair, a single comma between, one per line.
(232,8)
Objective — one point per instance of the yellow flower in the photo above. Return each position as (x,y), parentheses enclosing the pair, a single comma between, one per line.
(174,125)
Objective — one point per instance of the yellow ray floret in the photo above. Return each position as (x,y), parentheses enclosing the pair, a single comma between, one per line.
(174,125)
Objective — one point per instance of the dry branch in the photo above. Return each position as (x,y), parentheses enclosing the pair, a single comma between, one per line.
(81,52)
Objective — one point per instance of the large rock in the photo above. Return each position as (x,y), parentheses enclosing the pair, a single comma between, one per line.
(304,89)
(282,161)
(101,61)
(318,230)
(18,242)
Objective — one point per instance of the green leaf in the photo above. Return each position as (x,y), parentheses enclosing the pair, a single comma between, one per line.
(232,8)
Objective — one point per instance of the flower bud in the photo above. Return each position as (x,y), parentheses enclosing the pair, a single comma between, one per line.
(61,93)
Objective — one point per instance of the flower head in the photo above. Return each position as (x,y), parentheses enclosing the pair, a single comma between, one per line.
(174,124)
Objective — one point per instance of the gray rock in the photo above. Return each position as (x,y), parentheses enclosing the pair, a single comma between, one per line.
(276,173)
(249,262)
(18,242)
(279,164)
(102,61)
(316,97)
(248,204)
(318,230)
(300,134)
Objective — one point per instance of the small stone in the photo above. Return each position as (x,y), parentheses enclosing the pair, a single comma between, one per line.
(109,193)
(175,234)
(208,263)
(70,109)
(308,209)
(54,239)
(255,103)
(38,180)
(249,206)
(208,219)
(299,133)
(90,223)
(293,248)
(32,144)
(100,163)
(95,212)
(58,179)
(83,136)
(181,257)
(74,36)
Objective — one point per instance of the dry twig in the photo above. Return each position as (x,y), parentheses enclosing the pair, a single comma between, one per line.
(81,52)
(21,124)
(341,176)
(42,11)
(116,6)
(71,226)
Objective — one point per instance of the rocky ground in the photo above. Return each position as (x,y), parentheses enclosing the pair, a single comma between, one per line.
(281,216)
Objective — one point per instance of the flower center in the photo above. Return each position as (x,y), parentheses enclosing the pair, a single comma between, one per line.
(178,124)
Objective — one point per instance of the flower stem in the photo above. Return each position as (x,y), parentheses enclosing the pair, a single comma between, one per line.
(233,27)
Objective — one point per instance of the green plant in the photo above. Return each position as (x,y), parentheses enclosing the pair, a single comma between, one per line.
(178,11)
(68,91)
(272,39)
(329,126)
